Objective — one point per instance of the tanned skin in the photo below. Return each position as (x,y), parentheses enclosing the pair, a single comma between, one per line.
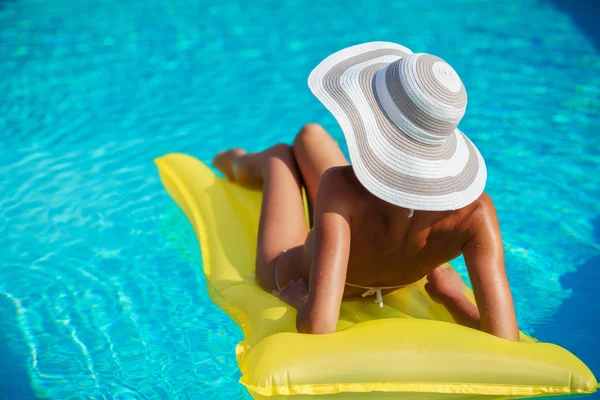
(361,239)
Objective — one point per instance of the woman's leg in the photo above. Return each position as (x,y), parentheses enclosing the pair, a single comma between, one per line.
(280,171)
(316,152)
(282,228)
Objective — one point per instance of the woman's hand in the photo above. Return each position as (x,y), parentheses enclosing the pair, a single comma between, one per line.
(294,293)
(444,284)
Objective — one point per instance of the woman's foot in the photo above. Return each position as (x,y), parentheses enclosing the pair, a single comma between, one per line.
(243,168)
(225,160)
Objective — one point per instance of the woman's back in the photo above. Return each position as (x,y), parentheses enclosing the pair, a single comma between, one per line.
(387,247)
(399,112)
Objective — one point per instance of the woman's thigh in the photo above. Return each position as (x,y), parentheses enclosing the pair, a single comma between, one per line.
(316,151)
(282,225)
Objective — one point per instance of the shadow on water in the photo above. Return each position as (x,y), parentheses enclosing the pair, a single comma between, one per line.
(576,325)
(3,4)
(14,378)
(585,13)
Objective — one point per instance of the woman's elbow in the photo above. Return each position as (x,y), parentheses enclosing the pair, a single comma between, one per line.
(508,329)
(315,326)
(316,329)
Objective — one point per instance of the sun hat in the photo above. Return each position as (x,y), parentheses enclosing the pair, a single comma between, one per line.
(399,113)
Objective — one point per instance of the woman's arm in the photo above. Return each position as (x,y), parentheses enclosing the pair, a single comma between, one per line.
(484,256)
(321,310)
(445,286)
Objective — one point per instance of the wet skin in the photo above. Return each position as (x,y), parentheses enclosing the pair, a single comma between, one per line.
(360,239)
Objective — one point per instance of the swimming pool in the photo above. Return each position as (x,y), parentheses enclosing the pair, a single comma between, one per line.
(100,287)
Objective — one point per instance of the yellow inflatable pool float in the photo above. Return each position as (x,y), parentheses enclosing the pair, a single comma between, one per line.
(409,349)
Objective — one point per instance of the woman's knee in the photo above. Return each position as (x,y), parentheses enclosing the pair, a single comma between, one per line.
(280,152)
(280,157)
(310,133)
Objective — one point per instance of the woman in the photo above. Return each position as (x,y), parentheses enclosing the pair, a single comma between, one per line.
(411,201)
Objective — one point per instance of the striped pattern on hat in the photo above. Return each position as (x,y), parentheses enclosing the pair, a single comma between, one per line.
(399,112)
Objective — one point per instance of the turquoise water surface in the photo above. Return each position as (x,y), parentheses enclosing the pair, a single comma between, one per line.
(101,290)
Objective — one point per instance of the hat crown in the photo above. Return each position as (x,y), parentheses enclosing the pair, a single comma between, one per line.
(423,96)
(399,114)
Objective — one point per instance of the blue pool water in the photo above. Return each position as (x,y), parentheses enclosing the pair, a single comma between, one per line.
(101,294)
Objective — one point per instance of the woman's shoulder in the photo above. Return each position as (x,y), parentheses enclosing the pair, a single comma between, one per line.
(341,181)
(340,188)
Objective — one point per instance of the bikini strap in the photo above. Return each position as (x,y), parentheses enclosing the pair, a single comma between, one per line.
(373,290)
(379,298)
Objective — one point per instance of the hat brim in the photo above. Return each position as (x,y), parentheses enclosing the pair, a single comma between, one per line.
(386,161)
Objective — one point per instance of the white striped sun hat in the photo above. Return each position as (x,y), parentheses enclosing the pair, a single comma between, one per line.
(399,112)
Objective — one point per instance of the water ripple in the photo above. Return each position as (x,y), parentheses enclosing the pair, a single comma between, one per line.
(104,272)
